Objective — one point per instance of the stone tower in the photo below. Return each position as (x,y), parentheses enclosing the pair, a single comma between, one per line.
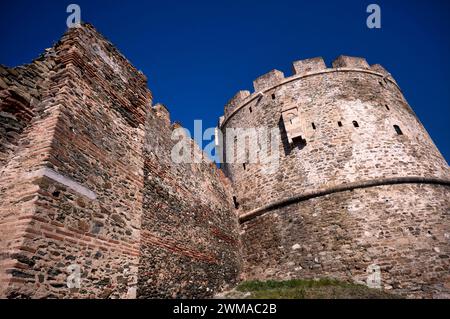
(360,184)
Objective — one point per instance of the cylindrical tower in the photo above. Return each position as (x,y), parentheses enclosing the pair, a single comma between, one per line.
(359,186)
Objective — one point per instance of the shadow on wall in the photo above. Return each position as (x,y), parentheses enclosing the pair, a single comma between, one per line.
(288,148)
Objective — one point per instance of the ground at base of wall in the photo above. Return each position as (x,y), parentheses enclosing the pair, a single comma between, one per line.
(304,289)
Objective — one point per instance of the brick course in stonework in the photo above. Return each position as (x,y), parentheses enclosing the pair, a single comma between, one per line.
(82,183)
(87,179)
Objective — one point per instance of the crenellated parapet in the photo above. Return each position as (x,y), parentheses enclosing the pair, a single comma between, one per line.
(300,70)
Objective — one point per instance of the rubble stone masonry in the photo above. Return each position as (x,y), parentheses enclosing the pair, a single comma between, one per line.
(88,183)
(364,185)
(82,183)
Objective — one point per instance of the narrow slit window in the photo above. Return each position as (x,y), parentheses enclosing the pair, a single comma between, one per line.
(250,109)
(339,123)
(387,107)
(313,126)
(245,166)
(355,124)
(273,96)
(235,202)
(235,149)
(398,130)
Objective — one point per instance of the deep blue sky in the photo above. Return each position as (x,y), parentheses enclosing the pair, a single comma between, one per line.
(198,54)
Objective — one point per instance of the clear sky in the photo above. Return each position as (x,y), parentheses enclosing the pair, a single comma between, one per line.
(198,54)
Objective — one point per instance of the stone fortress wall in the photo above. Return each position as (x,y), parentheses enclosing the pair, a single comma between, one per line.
(360,184)
(83,182)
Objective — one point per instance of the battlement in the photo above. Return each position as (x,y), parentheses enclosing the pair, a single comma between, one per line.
(301,69)
(308,65)
(350,62)
(268,80)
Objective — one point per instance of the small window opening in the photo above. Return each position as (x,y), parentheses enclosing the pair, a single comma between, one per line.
(398,130)
(250,109)
(273,96)
(387,107)
(340,124)
(56,193)
(245,166)
(297,140)
(236,204)
(355,124)
(313,126)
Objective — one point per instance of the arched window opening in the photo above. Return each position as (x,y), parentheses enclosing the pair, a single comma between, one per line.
(355,124)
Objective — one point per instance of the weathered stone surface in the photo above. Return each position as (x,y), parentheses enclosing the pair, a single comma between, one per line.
(111,202)
(87,181)
(308,65)
(353,193)
(267,80)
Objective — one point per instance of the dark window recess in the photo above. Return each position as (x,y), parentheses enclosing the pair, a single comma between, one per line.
(355,124)
(387,107)
(398,130)
(236,204)
(244,165)
(313,126)
(298,140)
(250,109)
(56,194)
(340,124)
(273,96)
